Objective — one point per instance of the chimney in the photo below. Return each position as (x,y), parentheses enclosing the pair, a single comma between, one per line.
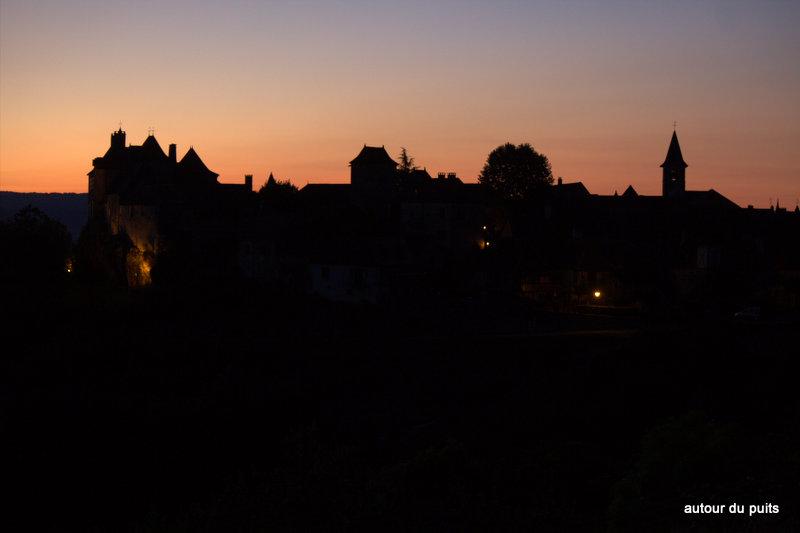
(248,182)
(173,153)
(560,181)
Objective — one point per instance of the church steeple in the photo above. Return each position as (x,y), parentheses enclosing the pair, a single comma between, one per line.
(674,173)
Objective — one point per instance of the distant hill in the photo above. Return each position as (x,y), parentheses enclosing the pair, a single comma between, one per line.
(71,209)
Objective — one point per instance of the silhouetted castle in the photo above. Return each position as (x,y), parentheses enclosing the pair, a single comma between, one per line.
(158,204)
(393,233)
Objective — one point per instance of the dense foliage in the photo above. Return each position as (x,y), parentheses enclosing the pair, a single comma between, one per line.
(516,172)
(34,247)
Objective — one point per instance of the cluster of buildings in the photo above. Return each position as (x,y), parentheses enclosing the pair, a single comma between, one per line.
(401,233)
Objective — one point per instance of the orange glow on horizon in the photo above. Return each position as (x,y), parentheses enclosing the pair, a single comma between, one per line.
(298,89)
(601,167)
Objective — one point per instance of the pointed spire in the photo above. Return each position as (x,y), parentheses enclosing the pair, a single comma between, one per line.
(191,165)
(674,156)
(151,146)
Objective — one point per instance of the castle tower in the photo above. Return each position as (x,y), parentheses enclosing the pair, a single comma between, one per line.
(674,175)
(117,139)
(373,167)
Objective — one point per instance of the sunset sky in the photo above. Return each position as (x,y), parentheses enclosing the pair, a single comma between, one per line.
(297,88)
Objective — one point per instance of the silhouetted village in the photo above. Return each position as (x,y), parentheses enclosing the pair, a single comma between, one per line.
(404,352)
(395,233)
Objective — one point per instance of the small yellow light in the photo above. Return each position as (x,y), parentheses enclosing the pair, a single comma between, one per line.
(484,227)
(597,294)
(488,243)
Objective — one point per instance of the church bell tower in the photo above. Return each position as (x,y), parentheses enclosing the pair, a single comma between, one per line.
(674,167)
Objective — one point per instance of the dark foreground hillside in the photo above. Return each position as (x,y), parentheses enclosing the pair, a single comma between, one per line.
(71,209)
(236,410)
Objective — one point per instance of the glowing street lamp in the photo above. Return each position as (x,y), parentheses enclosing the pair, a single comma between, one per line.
(597,294)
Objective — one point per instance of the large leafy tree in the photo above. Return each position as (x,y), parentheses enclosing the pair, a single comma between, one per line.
(516,172)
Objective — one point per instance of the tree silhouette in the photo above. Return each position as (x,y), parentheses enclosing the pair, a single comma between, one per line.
(99,255)
(34,246)
(516,171)
(273,186)
(277,193)
(406,162)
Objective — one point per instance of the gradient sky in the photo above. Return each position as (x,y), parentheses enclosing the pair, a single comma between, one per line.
(298,87)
